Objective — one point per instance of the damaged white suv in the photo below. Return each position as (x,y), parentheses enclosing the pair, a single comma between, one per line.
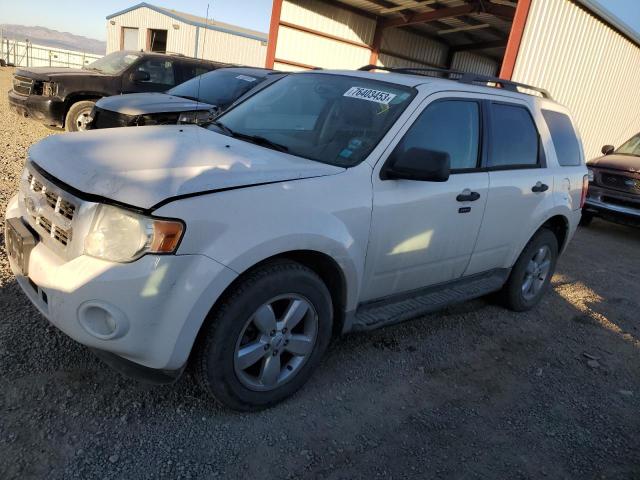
(328,202)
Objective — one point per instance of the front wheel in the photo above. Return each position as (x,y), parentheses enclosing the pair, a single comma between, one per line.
(586,219)
(263,343)
(531,275)
(79,116)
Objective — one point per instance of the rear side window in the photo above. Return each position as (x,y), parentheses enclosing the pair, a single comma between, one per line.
(451,126)
(564,138)
(514,140)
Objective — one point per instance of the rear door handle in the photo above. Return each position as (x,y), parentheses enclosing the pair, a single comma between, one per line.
(468,196)
(540,187)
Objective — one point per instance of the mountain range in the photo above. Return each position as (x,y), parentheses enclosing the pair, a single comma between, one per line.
(53,38)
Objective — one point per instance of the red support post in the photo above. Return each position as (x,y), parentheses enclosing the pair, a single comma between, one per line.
(377,43)
(515,37)
(276,11)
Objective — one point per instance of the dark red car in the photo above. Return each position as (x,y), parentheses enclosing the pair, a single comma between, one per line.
(614,184)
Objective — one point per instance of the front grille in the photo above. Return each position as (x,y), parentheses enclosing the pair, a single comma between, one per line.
(620,182)
(49,212)
(108,119)
(22,85)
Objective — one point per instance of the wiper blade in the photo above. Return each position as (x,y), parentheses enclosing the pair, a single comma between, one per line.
(220,125)
(262,141)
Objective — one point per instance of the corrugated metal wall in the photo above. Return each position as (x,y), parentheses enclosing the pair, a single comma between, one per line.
(220,46)
(470,62)
(410,46)
(587,66)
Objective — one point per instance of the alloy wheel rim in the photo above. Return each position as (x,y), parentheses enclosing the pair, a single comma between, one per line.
(536,272)
(82,120)
(276,342)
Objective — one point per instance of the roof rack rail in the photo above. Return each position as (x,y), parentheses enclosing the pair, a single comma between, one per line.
(464,77)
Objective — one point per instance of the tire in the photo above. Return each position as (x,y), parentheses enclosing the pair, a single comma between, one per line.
(243,323)
(73,122)
(3,63)
(586,219)
(515,295)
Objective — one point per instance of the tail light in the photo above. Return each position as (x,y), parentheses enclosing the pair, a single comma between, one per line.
(585,188)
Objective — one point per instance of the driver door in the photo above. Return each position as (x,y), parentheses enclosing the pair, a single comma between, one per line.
(161,76)
(423,233)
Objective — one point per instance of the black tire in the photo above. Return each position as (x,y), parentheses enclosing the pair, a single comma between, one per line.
(586,219)
(3,63)
(217,342)
(512,295)
(71,123)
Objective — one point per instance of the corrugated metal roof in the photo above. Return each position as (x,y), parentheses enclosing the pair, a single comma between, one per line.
(197,21)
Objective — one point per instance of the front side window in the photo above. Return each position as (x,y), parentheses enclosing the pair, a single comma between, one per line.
(335,119)
(220,87)
(563,137)
(114,63)
(514,140)
(451,126)
(160,71)
(630,147)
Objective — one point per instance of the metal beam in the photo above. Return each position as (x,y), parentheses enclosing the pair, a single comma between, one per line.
(432,16)
(479,46)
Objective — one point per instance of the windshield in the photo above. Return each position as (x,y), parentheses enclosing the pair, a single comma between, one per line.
(113,63)
(630,147)
(220,87)
(332,119)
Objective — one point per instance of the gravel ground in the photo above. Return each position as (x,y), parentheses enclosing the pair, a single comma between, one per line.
(471,392)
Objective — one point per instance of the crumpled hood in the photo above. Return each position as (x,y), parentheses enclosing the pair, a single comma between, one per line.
(143,166)
(628,163)
(144,103)
(50,73)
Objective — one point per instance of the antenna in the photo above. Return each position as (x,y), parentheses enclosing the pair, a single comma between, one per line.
(204,45)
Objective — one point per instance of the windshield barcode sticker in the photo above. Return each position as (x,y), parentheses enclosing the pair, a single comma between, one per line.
(246,78)
(370,95)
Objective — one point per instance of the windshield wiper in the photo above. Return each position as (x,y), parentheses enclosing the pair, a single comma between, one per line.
(262,141)
(257,139)
(93,69)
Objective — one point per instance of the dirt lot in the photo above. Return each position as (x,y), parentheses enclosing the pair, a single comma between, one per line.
(472,392)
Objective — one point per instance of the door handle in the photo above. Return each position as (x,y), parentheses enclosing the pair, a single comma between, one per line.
(468,196)
(540,187)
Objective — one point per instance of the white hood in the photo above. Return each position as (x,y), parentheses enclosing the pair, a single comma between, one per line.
(144,103)
(145,165)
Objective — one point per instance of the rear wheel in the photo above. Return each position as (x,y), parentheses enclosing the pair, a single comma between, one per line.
(79,116)
(531,275)
(265,340)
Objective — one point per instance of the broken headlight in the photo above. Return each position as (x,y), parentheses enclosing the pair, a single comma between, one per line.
(49,89)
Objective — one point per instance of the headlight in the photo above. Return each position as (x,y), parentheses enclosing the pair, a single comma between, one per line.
(196,117)
(120,235)
(49,89)
(590,174)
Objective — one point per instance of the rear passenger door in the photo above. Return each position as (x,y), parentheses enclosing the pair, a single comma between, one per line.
(423,233)
(520,184)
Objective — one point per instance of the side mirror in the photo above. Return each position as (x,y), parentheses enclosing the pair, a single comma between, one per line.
(139,76)
(608,149)
(419,164)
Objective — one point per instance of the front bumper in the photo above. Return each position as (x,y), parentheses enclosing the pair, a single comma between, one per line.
(613,205)
(147,312)
(48,110)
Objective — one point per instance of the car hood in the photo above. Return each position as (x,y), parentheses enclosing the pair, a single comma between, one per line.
(51,73)
(144,103)
(628,163)
(144,166)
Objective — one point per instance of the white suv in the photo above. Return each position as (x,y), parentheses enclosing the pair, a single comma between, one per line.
(331,201)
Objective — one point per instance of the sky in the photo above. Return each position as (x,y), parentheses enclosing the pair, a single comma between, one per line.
(88,18)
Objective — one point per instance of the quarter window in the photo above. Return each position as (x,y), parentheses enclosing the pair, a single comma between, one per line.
(451,126)
(564,138)
(514,140)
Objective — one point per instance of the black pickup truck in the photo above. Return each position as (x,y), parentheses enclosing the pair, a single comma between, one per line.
(64,97)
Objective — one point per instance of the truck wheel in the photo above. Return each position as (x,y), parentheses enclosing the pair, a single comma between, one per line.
(78,116)
(265,340)
(586,219)
(531,275)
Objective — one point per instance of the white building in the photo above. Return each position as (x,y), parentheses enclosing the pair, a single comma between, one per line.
(147,27)
(586,58)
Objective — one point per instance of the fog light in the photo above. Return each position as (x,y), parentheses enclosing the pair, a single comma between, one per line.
(102,321)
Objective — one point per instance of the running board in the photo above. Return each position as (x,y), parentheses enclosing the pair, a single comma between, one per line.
(402,307)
